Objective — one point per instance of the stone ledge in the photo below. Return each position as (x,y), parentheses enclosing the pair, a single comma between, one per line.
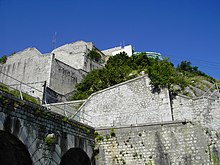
(144,125)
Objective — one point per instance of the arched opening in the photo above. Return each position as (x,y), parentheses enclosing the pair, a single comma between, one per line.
(13,151)
(75,156)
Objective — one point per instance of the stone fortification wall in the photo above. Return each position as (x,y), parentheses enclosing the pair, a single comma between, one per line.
(160,144)
(74,55)
(30,67)
(63,78)
(89,64)
(33,68)
(134,102)
(131,102)
(32,123)
(203,110)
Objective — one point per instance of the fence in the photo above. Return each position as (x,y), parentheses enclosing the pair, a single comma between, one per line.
(70,110)
(212,92)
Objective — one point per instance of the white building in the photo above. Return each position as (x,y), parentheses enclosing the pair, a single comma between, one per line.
(116,50)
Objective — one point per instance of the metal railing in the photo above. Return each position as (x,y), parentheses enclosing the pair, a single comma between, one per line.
(70,110)
(20,89)
(209,94)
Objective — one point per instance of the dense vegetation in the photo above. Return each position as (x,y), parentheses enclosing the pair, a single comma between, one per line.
(120,68)
(94,56)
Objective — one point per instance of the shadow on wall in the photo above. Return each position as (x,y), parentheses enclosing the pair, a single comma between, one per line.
(75,156)
(13,151)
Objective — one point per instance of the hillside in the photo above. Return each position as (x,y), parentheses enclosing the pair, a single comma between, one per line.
(184,79)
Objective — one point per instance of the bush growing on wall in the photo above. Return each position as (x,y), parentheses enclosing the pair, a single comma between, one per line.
(94,55)
(3,59)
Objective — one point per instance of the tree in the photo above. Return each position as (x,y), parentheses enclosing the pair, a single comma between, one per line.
(185,66)
(161,74)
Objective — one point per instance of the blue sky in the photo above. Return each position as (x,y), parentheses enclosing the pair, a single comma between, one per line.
(179,29)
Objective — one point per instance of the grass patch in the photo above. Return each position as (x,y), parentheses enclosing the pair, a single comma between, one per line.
(16,93)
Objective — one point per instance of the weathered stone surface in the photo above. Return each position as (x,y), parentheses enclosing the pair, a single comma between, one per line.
(203,110)
(31,124)
(61,69)
(30,67)
(74,55)
(131,102)
(191,135)
(163,144)
(63,78)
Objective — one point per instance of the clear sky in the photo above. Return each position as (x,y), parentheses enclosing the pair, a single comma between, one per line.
(178,29)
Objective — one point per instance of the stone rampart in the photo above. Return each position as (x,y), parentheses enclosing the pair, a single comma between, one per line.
(205,111)
(131,102)
(134,102)
(75,55)
(63,77)
(168,143)
(32,124)
(30,67)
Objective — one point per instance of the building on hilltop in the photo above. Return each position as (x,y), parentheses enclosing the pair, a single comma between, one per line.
(116,50)
(129,51)
(154,55)
(51,76)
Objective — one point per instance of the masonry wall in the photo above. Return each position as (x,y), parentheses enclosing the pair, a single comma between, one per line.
(63,77)
(131,102)
(28,66)
(89,64)
(204,111)
(72,54)
(173,143)
(31,124)
(75,55)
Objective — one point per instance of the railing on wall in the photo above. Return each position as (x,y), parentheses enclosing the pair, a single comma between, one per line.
(19,89)
(209,93)
(26,91)
(70,110)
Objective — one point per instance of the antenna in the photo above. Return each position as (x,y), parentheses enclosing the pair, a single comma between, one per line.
(123,43)
(54,40)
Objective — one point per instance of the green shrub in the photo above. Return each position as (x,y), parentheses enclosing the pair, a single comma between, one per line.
(4,88)
(16,93)
(49,140)
(98,137)
(94,55)
(112,132)
(3,59)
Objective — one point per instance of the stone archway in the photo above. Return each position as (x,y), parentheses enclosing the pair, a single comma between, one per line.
(75,156)
(13,151)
